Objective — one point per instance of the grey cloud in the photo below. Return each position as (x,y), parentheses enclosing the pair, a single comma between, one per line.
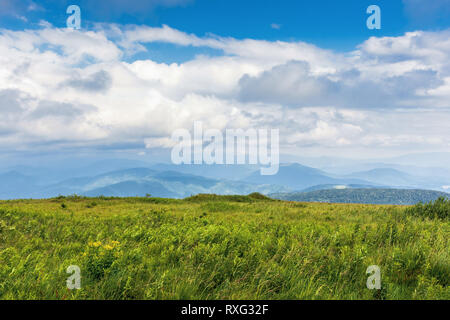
(6,130)
(11,108)
(61,110)
(21,70)
(16,105)
(389,92)
(11,102)
(292,84)
(13,105)
(100,81)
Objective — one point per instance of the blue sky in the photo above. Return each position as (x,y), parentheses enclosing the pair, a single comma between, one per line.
(138,70)
(338,25)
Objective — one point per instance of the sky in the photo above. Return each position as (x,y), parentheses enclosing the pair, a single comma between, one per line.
(138,70)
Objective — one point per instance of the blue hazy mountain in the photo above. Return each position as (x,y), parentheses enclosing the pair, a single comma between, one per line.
(429,159)
(14,177)
(417,171)
(385,176)
(168,180)
(56,171)
(132,182)
(132,189)
(174,177)
(299,177)
(393,177)
(81,185)
(215,171)
(170,184)
(430,170)
(16,185)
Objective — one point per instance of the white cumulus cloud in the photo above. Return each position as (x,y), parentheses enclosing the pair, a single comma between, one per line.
(84,88)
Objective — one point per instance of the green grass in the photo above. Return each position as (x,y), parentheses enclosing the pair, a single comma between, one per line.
(220,247)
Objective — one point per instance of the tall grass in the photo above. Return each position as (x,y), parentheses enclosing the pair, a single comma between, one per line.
(213,247)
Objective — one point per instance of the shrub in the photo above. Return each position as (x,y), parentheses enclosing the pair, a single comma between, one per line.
(258,196)
(100,257)
(439,209)
(233,198)
(91,205)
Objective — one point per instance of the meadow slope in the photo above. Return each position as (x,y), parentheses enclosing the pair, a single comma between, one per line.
(219,247)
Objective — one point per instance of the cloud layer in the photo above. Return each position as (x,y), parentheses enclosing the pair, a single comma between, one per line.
(61,88)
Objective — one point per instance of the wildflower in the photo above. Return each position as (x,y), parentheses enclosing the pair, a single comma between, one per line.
(95,244)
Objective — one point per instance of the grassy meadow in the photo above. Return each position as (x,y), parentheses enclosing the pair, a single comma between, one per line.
(220,247)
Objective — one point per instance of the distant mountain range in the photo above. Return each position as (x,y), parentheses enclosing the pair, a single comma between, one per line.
(298,177)
(369,196)
(393,177)
(119,178)
(129,182)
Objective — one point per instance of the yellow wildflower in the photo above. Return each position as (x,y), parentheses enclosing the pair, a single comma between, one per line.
(95,244)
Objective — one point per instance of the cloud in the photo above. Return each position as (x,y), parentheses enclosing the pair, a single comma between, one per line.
(82,89)
(11,101)
(27,120)
(292,83)
(260,51)
(418,48)
(72,46)
(275,26)
(100,81)
(61,110)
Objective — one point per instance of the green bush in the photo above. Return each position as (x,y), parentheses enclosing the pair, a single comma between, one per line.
(439,209)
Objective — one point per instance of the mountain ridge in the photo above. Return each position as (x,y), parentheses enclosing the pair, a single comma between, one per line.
(169,180)
(364,196)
